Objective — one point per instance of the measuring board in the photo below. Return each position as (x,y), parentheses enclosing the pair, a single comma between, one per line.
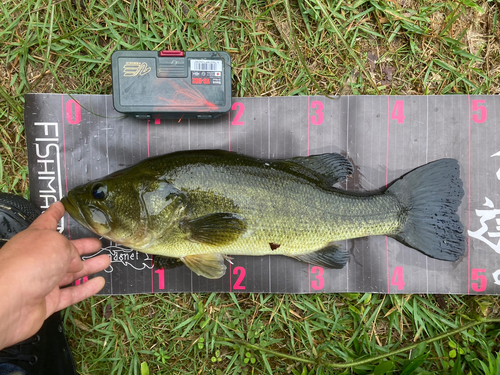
(72,140)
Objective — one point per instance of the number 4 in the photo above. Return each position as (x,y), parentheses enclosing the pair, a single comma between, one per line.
(397,278)
(398,112)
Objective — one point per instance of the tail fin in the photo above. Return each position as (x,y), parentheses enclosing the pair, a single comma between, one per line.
(430,196)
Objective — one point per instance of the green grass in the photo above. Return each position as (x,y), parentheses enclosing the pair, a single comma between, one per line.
(255,333)
(277,48)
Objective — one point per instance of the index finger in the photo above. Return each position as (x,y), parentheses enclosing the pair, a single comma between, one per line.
(50,218)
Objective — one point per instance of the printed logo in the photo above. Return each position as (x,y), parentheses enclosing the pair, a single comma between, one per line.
(133,69)
(496,277)
(48,165)
(489,236)
(124,256)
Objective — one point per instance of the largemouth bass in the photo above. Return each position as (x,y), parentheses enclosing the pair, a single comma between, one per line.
(199,206)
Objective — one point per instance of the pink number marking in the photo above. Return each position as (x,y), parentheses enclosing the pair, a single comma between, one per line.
(161,278)
(73,116)
(397,278)
(483,113)
(157,121)
(398,112)
(82,280)
(242,272)
(319,283)
(483,281)
(240,107)
(317,119)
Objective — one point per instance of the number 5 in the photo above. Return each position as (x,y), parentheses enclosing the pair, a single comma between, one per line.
(483,113)
(481,286)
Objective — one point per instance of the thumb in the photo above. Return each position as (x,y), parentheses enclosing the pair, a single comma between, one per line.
(50,218)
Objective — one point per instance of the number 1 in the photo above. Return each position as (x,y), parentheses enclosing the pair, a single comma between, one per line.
(161,278)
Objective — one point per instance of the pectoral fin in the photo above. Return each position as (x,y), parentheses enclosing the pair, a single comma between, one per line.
(210,266)
(331,256)
(215,229)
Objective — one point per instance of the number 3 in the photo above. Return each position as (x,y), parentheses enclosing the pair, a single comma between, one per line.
(318,107)
(319,283)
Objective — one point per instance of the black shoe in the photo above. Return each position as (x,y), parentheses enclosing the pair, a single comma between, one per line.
(47,352)
(16,214)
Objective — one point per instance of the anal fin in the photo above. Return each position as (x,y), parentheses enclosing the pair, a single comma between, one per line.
(210,266)
(331,256)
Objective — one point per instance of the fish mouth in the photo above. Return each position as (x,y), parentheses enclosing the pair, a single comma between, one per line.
(74,211)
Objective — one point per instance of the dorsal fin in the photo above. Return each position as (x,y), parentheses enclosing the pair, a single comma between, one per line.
(332,167)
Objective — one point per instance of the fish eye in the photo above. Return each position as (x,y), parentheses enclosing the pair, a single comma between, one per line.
(99,191)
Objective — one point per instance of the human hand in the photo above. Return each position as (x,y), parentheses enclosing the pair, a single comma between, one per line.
(35,265)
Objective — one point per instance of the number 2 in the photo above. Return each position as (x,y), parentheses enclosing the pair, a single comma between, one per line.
(483,281)
(242,272)
(240,107)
